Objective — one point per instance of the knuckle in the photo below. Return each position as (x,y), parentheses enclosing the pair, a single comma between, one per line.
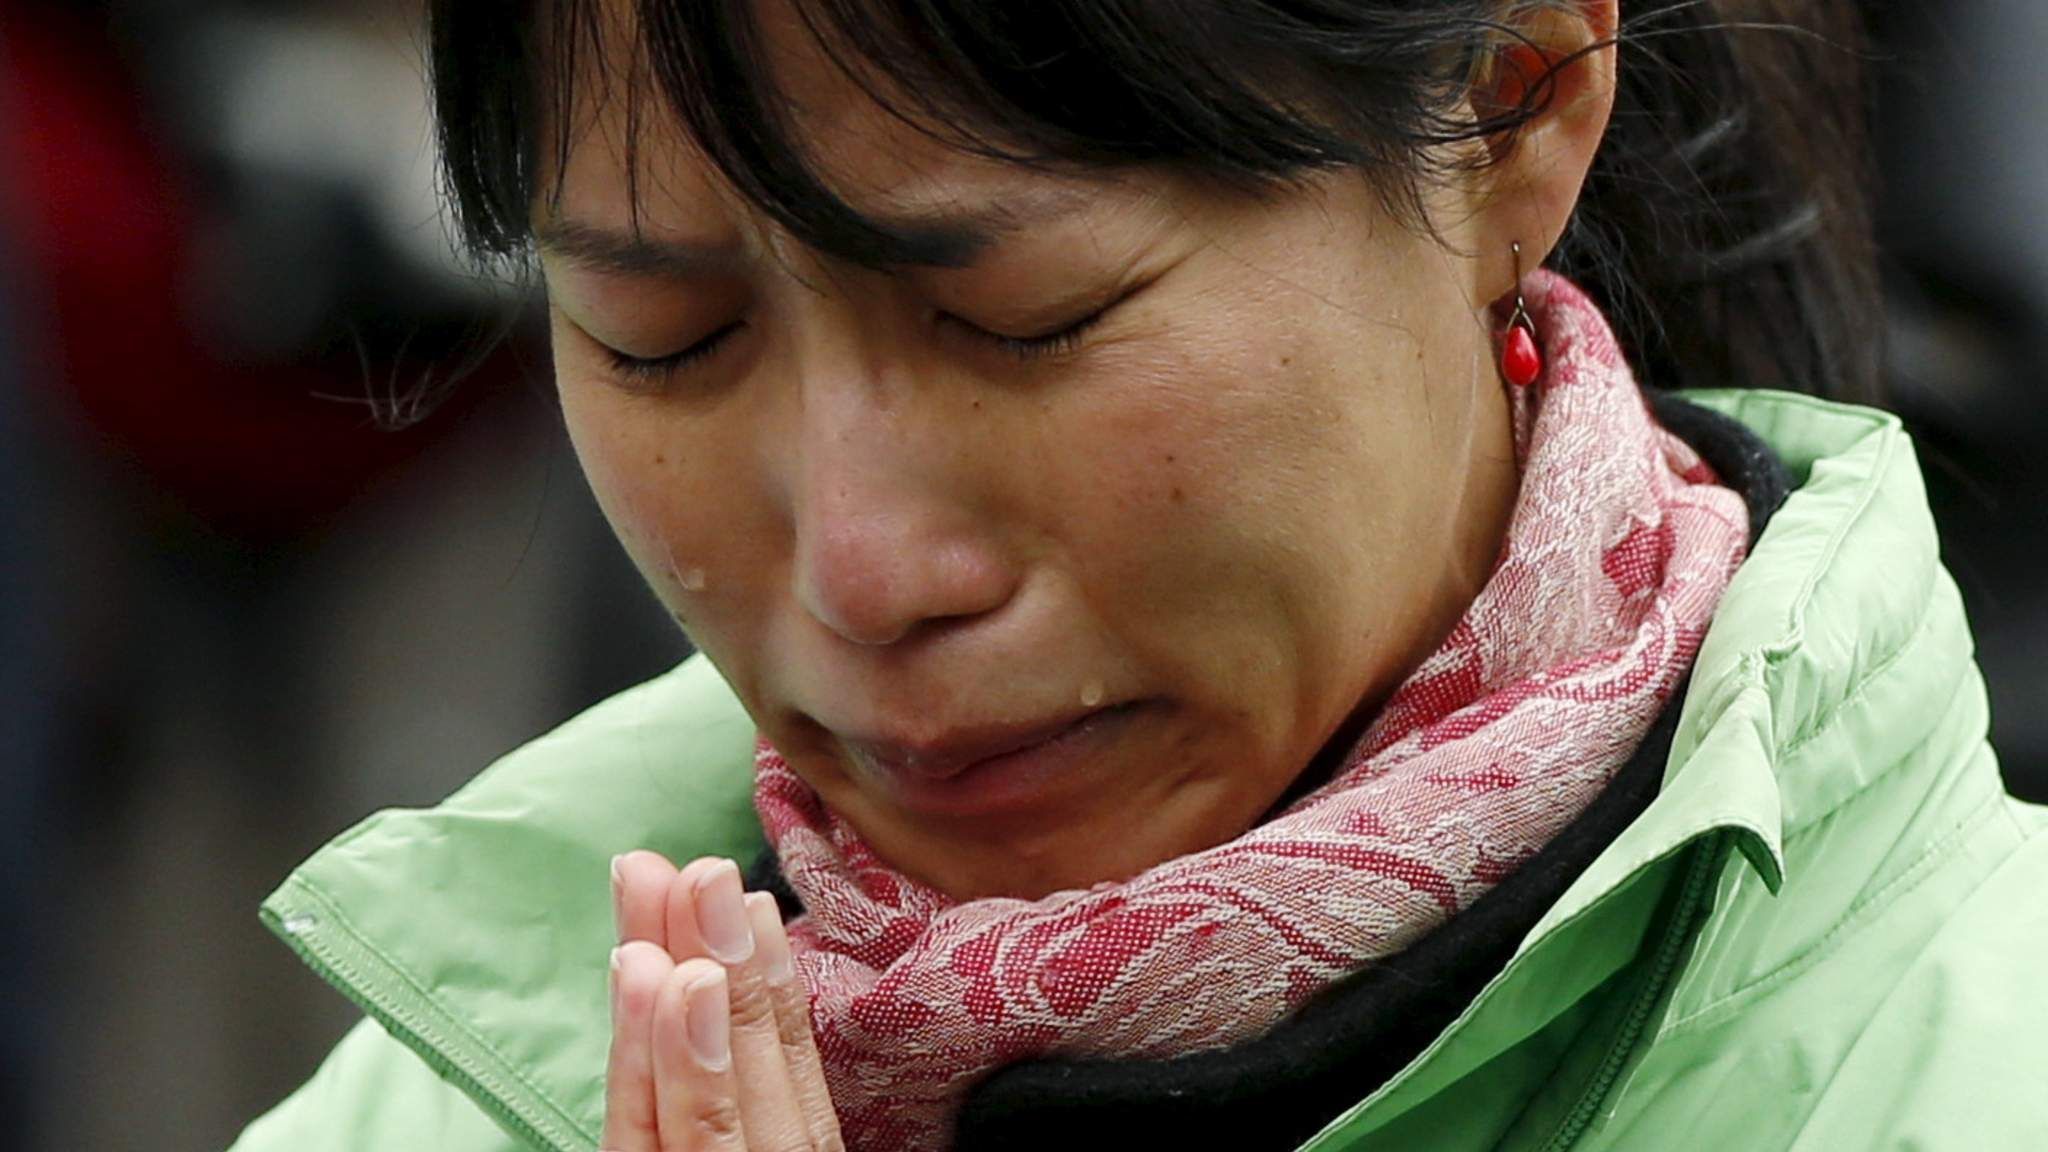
(792,1019)
(794,1034)
(751,1007)
(717,1119)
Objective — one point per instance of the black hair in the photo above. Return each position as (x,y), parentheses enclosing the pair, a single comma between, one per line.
(1725,226)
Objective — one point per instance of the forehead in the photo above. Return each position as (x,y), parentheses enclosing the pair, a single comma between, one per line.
(629,163)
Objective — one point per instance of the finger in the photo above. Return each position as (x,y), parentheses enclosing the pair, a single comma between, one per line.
(793,1024)
(640,883)
(639,970)
(696,1099)
(773,1116)
(726,938)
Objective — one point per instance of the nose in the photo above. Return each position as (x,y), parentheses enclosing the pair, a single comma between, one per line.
(873,575)
(887,539)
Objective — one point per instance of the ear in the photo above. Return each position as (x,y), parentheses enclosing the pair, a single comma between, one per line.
(1561,58)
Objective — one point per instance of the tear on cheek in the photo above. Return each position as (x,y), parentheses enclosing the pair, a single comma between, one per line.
(688,578)
(684,576)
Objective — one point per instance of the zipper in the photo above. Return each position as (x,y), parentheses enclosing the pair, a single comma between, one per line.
(1686,917)
(327,954)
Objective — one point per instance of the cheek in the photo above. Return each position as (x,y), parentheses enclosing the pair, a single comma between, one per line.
(1218,441)
(1250,499)
(1206,478)
(620,470)
(642,473)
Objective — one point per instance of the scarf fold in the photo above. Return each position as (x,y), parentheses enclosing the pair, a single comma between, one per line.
(1619,547)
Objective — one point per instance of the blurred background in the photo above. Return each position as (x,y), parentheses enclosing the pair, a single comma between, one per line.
(237,615)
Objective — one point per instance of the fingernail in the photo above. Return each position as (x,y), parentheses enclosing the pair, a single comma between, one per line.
(722,916)
(611,980)
(706,1022)
(768,933)
(618,892)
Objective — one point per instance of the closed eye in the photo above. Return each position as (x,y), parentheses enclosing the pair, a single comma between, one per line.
(655,369)
(1063,339)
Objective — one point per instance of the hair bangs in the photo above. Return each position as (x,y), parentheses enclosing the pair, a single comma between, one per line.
(1228,90)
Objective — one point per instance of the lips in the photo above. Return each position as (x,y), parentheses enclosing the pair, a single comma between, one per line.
(988,768)
(961,749)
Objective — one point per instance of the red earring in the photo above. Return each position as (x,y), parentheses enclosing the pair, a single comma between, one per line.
(1520,363)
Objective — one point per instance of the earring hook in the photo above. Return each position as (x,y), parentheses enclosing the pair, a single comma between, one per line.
(1521,312)
(1520,360)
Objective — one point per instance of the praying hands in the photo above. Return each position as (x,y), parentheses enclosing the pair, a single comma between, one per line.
(711,1035)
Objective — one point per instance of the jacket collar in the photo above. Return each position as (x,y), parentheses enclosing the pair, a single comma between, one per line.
(476,931)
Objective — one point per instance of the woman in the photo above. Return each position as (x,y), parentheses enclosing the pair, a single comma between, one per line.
(1213,637)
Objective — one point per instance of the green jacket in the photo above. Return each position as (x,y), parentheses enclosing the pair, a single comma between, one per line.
(1827,933)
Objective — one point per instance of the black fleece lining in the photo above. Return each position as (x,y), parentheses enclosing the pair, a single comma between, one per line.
(1277,1090)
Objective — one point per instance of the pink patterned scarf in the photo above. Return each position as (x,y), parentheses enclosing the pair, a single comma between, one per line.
(1620,546)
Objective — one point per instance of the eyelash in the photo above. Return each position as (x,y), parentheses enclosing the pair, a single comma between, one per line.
(1027,348)
(659,368)
(1034,347)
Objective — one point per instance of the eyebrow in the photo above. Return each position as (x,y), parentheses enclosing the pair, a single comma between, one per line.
(633,254)
(939,239)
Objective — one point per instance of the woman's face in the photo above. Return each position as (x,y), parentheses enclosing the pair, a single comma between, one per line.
(1031,615)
